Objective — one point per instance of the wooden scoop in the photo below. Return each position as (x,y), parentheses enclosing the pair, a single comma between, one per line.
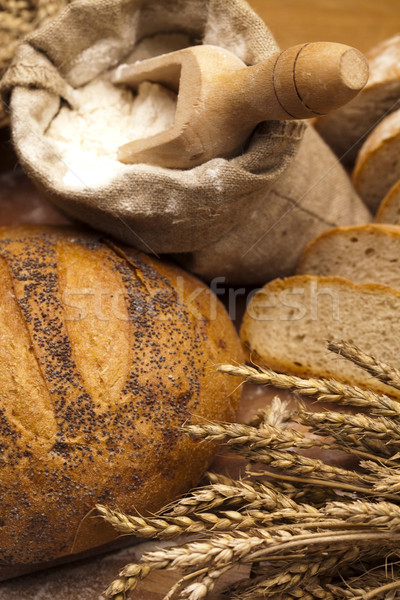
(220,100)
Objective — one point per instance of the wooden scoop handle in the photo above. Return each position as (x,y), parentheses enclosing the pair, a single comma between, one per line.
(221,100)
(304,81)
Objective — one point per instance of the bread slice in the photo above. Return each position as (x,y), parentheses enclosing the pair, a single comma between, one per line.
(389,208)
(378,164)
(345,129)
(362,253)
(288,322)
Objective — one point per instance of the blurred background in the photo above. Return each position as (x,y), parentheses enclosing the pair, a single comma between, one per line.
(359,23)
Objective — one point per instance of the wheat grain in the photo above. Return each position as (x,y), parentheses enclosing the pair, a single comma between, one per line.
(381,592)
(200,589)
(217,551)
(315,593)
(257,448)
(127,581)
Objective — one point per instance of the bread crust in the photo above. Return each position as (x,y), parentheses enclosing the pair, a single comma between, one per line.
(383,61)
(117,351)
(312,247)
(385,135)
(390,201)
(345,128)
(289,366)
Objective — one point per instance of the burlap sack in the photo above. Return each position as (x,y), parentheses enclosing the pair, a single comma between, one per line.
(246,218)
(17,19)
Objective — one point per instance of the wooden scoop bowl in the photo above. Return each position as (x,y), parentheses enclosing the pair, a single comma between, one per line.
(221,100)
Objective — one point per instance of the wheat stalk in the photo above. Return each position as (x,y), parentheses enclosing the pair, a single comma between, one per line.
(200,589)
(321,390)
(291,575)
(387,479)
(366,582)
(377,515)
(378,369)
(314,593)
(284,490)
(291,466)
(359,424)
(214,497)
(336,514)
(261,449)
(173,527)
(301,539)
(213,554)
(297,464)
(239,494)
(223,551)
(127,581)
(361,432)
(236,434)
(381,592)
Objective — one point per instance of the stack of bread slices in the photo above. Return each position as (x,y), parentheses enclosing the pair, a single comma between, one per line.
(347,284)
(347,288)
(365,133)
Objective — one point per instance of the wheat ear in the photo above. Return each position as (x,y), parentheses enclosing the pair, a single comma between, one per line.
(377,434)
(321,390)
(378,369)
(292,576)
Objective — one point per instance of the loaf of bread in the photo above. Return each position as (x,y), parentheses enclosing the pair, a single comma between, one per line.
(389,208)
(362,253)
(104,354)
(377,167)
(289,321)
(345,129)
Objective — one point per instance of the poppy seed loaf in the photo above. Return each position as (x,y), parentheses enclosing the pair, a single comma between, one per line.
(103,356)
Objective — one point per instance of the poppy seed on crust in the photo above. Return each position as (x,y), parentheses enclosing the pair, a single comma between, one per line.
(103,356)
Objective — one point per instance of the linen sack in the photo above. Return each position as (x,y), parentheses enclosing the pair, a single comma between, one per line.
(18,18)
(246,218)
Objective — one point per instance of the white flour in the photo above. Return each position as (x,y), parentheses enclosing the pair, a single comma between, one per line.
(87,138)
